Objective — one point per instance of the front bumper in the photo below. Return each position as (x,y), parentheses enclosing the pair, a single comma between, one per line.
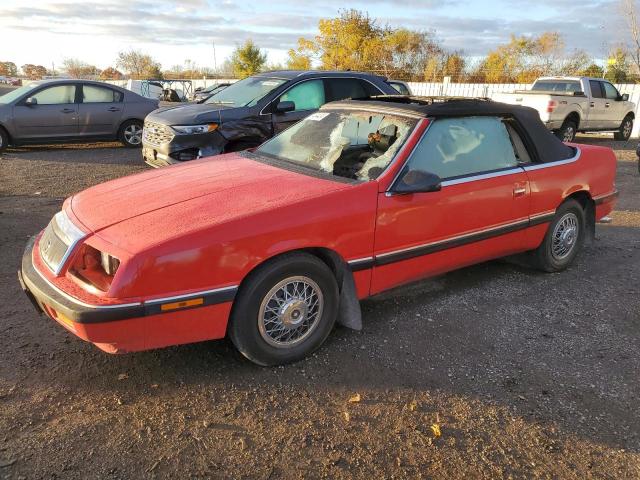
(182,148)
(126,327)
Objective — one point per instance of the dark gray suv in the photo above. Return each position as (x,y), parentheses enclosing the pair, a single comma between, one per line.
(72,110)
(248,112)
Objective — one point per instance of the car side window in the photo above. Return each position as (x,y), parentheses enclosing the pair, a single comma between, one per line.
(307,95)
(596,89)
(58,95)
(93,94)
(342,88)
(522,154)
(458,147)
(610,92)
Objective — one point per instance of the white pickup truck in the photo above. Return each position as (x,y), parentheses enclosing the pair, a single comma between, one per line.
(568,105)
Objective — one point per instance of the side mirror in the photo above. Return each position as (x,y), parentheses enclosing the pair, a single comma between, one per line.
(625,97)
(284,107)
(31,101)
(418,181)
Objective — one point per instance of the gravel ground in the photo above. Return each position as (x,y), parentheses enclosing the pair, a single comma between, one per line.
(522,374)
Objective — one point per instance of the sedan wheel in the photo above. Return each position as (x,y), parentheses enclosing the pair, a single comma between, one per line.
(565,236)
(131,134)
(284,310)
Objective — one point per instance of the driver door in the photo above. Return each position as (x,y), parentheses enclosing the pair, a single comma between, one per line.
(480,213)
(55,116)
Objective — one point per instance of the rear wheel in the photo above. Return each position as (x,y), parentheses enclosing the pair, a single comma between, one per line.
(130,134)
(626,127)
(285,310)
(568,131)
(563,239)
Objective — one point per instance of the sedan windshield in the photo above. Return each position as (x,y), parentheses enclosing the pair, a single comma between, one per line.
(357,145)
(17,93)
(245,93)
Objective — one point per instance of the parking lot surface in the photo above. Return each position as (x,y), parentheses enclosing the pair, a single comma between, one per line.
(522,374)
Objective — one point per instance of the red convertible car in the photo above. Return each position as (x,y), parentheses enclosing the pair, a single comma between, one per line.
(273,246)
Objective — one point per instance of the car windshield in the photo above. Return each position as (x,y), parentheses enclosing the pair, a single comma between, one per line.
(245,93)
(357,145)
(561,86)
(17,93)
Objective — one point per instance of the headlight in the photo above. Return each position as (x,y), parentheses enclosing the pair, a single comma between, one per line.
(95,268)
(194,129)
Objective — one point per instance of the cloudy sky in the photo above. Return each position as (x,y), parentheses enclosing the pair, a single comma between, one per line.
(46,31)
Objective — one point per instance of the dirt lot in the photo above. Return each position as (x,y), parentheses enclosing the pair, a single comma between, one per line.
(526,374)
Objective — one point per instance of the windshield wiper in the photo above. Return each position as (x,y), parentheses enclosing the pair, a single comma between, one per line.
(222,103)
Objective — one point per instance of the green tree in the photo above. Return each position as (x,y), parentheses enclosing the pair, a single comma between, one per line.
(592,70)
(138,65)
(617,66)
(247,60)
(8,69)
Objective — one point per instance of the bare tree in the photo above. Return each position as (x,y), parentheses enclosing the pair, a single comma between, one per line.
(630,12)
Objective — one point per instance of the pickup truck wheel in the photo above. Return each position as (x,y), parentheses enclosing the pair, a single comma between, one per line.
(563,239)
(130,134)
(285,310)
(626,127)
(567,132)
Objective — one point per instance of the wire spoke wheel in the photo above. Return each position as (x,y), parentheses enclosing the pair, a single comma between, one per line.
(565,236)
(133,134)
(290,311)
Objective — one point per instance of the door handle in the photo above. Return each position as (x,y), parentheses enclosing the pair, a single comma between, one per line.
(114,109)
(592,104)
(67,110)
(606,105)
(519,190)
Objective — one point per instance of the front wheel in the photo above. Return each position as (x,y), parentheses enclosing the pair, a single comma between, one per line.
(626,127)
(130,134)
(284,310)
(4,140)
(563,239)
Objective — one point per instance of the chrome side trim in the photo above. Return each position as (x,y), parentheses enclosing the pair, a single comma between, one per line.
(518,223)
(557,163)
(483,176)
(190,295)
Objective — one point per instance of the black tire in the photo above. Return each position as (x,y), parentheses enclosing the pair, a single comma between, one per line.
(626,127)
(546,257)
(126,135)
(568,130)
(4,140)
(247,329)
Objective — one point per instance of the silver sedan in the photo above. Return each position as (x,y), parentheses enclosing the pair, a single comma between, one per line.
(63,111)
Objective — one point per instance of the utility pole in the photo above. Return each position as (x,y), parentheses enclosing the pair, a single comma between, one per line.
(215,64)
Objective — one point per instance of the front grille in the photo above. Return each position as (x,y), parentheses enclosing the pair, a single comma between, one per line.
(52,248)
(156,133)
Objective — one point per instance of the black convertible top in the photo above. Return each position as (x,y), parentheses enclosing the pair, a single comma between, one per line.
(547,146)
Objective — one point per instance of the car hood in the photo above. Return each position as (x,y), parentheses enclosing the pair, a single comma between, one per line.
(191,114)
(172,201)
